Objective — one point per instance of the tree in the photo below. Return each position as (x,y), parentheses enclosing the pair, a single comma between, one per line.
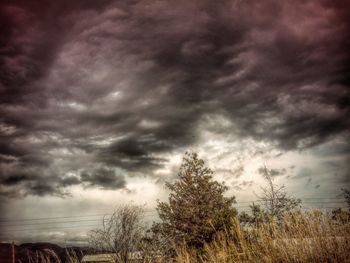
(275,203)
(121,233)
(340,214)
(346,194)
(275,198)
(197,207)
(155,246)
(258,216)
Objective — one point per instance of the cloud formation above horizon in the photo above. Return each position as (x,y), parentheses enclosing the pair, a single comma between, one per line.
(94,91)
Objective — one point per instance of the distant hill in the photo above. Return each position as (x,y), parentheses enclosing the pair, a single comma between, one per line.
(30,250)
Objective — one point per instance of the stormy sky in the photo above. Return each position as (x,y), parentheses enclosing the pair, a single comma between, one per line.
(99,100)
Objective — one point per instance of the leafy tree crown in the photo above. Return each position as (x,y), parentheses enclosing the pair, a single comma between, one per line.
(197,206)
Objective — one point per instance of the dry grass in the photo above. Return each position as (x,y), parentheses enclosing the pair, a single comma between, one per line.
(300,237)
(49,256)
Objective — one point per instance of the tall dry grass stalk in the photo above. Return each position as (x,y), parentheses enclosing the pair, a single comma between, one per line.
(49,256)
(299,237)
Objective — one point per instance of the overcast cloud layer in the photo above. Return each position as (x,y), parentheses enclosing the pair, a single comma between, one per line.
(95,92)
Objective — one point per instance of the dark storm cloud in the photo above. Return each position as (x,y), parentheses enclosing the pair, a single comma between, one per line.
(87,84)
(133,153)
(272,172)
(304,173)
(19,182)
(69,181)
(14,179)
(104,178)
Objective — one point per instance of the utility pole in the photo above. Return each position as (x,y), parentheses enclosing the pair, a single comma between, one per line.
(13,252)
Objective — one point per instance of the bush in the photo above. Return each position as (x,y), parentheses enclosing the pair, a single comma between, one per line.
(197,208)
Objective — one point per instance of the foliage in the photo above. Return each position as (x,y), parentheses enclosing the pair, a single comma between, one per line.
(155,245)
(275,204)
(346,194)
(121,233)
(342,214)
(197,207)
(275,198)
(258,216)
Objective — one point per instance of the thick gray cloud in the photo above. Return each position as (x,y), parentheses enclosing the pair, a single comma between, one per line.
(272,172)
(91,84)
(107,179)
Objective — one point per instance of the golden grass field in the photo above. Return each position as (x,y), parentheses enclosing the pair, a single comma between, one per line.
(299,237)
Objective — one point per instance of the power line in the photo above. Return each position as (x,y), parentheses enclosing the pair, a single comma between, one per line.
(302,203)
(58,222)
(95,220)
(324,207)
(106,219)
(2,220)
(308,198)
(304,198)
(55,228)
(99,225)
(47,218)
(65,222)
(9,220)
(323,202)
